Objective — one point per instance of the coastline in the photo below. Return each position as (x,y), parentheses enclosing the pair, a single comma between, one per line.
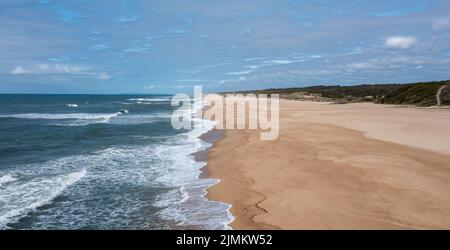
(234,187)
(210,137)
(352,166)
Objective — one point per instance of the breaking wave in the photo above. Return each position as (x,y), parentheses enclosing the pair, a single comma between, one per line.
(20,198)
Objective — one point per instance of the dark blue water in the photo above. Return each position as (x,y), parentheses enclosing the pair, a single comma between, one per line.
(100,162)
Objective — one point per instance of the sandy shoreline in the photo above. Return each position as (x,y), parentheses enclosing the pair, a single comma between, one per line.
(353,166)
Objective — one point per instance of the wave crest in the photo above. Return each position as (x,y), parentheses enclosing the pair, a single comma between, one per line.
(6,179)
(19,199)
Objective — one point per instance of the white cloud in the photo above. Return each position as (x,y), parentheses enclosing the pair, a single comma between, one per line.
(127,19)
(400,42)
(279,61)
(59,69)
(192,80)
(50,69)
(363,65)
(441,23)
(241,72)
(18,71)
(103,76)
(100,47)
(267,62)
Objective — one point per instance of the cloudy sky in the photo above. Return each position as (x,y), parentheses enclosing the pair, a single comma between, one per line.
(144,46)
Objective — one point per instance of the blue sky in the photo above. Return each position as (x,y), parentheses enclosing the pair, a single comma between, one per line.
(143,46)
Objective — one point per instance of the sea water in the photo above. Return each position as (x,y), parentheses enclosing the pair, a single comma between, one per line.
(101,162)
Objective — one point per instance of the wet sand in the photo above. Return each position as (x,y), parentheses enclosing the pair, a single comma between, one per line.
(202,156)
(352,166)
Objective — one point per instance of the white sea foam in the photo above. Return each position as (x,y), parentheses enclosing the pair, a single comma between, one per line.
(193,209)
(82,116)
(133,119)
(6,179)
(20,198)
(69,119)
(167,164)
(124,111)
(83,119)
(150,99)
(70,105)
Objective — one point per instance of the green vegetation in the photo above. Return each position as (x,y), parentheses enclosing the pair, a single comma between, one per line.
(445,96)
(420,94)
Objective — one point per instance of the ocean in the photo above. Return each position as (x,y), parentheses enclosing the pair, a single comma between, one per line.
(101,162)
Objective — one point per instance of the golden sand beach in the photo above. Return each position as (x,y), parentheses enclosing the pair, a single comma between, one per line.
(352,166)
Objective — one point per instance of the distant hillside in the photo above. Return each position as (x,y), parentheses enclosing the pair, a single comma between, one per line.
(420,94)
